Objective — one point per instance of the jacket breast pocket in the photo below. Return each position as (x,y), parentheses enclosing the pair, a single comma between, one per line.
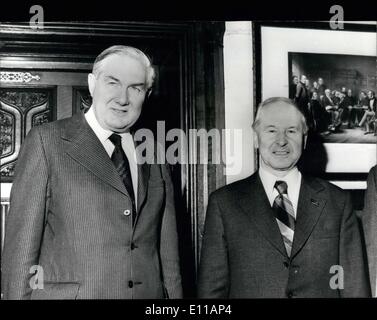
(56,291)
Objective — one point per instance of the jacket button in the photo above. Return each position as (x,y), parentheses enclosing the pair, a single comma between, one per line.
(130,284)
(127,212)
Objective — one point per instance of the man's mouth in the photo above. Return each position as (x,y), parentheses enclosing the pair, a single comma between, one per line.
(280,152)
(120,111)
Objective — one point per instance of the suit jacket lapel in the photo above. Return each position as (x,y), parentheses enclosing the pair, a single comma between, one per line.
(254,202)
(310,206)
(85,148)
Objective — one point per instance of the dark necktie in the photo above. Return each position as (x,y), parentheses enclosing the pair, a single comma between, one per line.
(122,165)
(284,214)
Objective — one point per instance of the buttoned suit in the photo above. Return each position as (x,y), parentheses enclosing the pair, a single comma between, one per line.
(70,214)
(243,254)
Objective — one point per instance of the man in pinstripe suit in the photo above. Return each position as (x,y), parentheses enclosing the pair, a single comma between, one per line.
(72,217)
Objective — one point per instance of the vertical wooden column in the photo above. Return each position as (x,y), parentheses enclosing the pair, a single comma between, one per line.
(209,114)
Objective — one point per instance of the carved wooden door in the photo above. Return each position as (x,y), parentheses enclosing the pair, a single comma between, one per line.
(20,110)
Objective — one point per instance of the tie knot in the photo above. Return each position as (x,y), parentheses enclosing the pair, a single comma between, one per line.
(281,187)
(116,139)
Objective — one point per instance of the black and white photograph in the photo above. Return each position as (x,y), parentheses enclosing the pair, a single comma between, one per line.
(179,162)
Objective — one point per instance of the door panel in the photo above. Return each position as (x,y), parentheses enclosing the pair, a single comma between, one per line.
(21,109)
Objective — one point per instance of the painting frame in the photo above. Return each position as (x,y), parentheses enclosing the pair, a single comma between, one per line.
(274,40)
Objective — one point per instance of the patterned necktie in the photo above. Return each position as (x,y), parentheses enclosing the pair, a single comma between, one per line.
(122,165)
(284,214)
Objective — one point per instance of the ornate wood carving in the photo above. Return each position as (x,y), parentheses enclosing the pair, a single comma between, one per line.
(17,77)
(81,99)
(21,109)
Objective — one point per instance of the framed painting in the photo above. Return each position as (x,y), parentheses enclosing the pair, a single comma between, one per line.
(340,62)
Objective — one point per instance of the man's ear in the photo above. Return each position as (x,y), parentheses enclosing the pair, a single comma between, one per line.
(149,91)
(91,83)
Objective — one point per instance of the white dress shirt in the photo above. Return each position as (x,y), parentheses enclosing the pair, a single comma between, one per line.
(293,180)
(127,145)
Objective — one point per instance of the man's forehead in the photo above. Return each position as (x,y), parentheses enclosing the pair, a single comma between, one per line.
(120,63)
(280,113)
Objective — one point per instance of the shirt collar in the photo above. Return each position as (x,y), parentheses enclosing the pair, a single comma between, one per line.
(292,178)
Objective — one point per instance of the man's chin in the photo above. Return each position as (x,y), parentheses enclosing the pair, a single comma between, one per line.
(119,127)
(283,166)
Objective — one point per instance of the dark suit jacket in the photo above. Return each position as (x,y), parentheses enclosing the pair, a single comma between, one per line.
(243,255)
(369,220)
(302,94)
(321,89)
(327,102)
(68,215)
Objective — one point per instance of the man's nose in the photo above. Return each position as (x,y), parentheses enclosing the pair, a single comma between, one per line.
(123,97)
(281,139)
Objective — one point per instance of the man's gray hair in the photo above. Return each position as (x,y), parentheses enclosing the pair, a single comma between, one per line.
(272,100)
(131,52)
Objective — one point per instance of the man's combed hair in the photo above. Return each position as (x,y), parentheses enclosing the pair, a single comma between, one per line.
(131,52)
(272,100)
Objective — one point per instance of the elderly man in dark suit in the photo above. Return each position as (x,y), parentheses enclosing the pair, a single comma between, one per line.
(369,220)
(85,214)
(279,233)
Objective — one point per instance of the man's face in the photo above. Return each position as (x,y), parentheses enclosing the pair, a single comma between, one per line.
(118,92)
(315,96)
(349,92)
(280,137)
(320,81)
(370,95)
(303,79)
(295,80)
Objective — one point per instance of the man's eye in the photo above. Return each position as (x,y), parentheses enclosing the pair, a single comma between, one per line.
(137,89)
(292,131)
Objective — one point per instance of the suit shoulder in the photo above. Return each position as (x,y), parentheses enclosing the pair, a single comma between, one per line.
(56,125)
(234,188)
(333,190)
